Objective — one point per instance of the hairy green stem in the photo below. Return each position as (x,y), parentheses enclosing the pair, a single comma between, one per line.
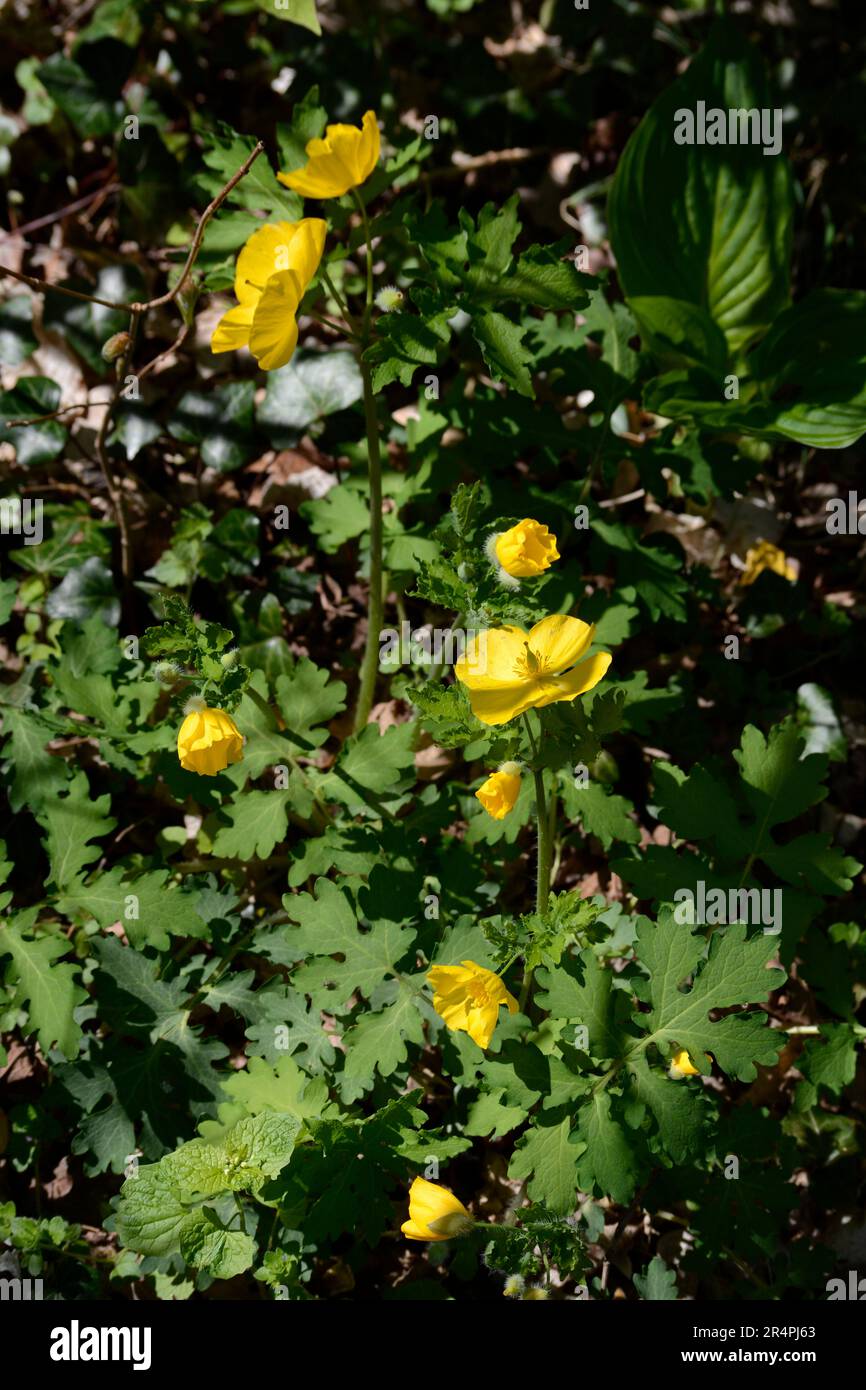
(376,600)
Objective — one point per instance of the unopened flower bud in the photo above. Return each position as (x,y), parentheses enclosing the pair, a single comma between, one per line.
(229,660)
(116,346)
(389,299)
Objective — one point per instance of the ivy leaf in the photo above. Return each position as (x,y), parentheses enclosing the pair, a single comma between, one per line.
(30,397)
(307,390)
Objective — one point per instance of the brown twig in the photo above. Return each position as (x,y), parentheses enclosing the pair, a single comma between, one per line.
(98,197)
(52,415)
(136,312)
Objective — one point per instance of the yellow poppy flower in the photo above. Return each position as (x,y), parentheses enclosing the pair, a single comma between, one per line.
(344,159)
(271,277)
(527,670)
(499,793)
(468,998)
(766,556)
(208,740)
(526,550)
(682,1065)
(435,1213)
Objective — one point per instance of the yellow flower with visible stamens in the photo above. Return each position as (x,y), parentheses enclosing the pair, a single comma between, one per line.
(468,999)
(208,740)
(501,790)
(435,1213)
(526,550)
(766,556)
(528,670)
(271,277)
(345,158)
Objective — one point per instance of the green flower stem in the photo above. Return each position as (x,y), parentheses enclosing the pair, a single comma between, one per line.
(376,600)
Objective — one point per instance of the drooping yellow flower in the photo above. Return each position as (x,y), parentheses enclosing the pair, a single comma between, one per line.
(682,1066)
(527,670)
(208,740)
(468,998)
(526,550)
(435,1213)
(499,793)
(345,158)
(766,556)
(271,277)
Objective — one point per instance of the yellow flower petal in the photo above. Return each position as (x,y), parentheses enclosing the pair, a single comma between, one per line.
(527,549)
(559,641)
(274,332)
(491,658)
(468,997)
(233,330)
(434,1213)
(207,741)
(345,158)
(499,793)
(766,556)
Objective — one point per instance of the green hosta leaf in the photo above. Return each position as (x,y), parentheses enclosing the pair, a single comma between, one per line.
(706,224)
(49,990)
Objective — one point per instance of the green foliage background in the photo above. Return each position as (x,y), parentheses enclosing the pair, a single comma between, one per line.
(220,1060)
